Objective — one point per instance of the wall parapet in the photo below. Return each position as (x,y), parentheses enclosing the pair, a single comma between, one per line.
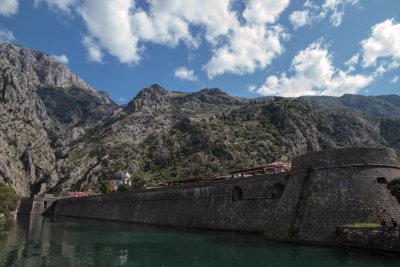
(346,157)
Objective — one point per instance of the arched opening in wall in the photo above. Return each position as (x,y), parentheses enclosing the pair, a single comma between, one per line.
(237,193)
(277,190)
(45,205)
(381,180)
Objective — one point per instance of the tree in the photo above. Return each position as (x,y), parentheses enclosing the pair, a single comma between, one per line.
(8,199)
(138,180)
(124,188)
(105,186)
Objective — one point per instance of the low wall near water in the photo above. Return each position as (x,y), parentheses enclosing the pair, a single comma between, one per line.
(37,205)
(323,191)
(370,237)
(240,204)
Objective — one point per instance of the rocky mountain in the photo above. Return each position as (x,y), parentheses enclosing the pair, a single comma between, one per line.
(59,134)
(41,102)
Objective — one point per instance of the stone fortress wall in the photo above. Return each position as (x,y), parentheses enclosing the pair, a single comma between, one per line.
(240,204)
(328,189)
(323,191)
(36,205)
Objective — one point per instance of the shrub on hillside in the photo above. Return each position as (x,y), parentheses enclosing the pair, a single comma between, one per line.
(105,186)
(124,188)
(8,199)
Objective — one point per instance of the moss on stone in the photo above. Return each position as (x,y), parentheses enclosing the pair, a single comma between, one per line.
(363,224)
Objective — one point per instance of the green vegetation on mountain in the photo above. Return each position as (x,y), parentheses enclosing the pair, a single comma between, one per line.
(8,203)
(58,134)
(8,199)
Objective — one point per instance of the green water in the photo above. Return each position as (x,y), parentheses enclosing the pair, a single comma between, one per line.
(60,241)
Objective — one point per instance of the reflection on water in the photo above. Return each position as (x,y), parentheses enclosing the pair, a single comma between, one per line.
(61,241)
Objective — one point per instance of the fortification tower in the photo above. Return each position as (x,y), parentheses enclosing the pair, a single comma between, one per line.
(331,188)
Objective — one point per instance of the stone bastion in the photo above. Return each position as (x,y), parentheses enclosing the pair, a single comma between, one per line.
(323,191)
(331,188)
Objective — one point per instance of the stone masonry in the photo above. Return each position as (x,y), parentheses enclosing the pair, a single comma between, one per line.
(324,190)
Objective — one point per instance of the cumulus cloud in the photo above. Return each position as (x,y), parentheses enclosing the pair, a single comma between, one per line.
(8,7)
(249,48)
(93,49)
(314,74)
(119,25)
(240,43)
(59,5)
(384,42)
(61,58)
(184,73)
(334,9)
(6,36)
(264,11)
(300,18)
(215,17)
(109,23)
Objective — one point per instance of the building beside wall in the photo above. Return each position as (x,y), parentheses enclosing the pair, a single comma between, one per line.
(120,178)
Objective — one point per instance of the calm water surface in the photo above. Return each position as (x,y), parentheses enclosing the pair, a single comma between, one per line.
(60,241)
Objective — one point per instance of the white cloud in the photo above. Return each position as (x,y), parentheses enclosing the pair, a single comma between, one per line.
(251,87)
(249,48)
(334,9)
(240,43)
(119,25)
(93,49)
(395,79)
(8,7)
(385,66)
(61,58)
(60,5)
(264,11)
(122,99)
(215,17)
(184,73)
(300,18)
(384,42)
(6,36)
(352,62)
(109,23)
(314,74)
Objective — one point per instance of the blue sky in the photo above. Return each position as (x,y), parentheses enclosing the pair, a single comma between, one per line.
(246,47)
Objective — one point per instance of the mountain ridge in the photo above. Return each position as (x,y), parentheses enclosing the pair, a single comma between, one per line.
(59,134)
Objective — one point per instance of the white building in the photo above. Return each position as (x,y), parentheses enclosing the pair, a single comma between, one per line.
(120,178)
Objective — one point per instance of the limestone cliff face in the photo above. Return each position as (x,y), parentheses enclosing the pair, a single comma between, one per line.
(34,88)
(57,133)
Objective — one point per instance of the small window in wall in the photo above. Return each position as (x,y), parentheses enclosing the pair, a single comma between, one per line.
(381,180)
(277,190)
(45,205)
(237,193)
